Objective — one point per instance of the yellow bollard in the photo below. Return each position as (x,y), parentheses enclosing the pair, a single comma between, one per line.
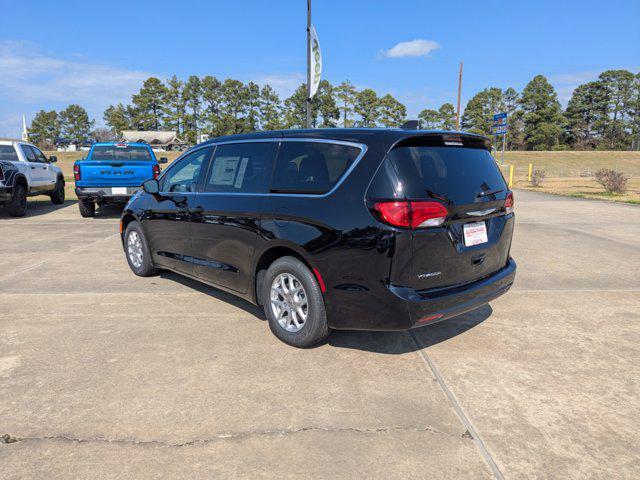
(530,171)
(510,176)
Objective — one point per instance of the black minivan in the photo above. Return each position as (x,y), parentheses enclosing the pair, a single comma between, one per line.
(376,229)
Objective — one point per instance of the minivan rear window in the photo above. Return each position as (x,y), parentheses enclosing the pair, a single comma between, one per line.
(111,153)
(453,173)
(311,167)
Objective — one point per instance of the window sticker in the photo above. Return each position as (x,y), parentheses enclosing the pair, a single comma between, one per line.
(241,172)
(224,170)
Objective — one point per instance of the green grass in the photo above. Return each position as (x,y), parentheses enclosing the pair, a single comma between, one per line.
(567,171)
(572,164)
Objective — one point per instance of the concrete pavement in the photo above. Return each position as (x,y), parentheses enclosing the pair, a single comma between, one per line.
(108,375)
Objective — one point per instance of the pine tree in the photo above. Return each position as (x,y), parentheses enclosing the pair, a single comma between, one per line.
(252,99)
(75,124)
(586,112)
(212,100)
(176,106)
(618,87)
(346,94)
(149,104)
(392,112)
(270,109)
(324,105)
(295,108)
(478,114)
(234,106)
(543,119)
(447,115)
(367,106)
(193,97)
(429,119)
(44,129)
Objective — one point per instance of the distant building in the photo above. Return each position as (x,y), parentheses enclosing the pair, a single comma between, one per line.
(25,132)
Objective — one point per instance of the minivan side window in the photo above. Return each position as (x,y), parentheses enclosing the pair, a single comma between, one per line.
(241,167)
(183,177)
(311,167)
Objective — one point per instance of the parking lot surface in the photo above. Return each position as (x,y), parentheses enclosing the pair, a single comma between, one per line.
(107,375)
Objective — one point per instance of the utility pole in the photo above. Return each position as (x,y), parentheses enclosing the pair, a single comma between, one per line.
(308,63)
(459,93)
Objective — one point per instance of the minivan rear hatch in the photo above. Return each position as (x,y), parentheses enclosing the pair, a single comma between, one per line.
(472,238)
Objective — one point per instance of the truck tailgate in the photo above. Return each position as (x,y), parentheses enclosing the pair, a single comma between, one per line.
(106,174)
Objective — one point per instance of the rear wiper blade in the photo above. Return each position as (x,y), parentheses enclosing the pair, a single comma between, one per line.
(489,192)
(431,194)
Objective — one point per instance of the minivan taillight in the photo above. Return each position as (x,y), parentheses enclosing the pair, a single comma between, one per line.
(508,203)
(411,214)
(156,171)
(76,172)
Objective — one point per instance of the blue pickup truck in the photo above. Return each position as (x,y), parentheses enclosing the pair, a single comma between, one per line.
(112,172)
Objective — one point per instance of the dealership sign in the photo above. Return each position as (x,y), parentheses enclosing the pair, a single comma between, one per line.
(316,61)
(500,124)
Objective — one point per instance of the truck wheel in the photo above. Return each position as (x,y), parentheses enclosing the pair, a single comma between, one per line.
(87,209)
(293,303)
(57,197)
(137,251)
(17,207)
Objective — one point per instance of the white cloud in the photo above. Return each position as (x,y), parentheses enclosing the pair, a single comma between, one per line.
(28,77)
(284,85)
(566,83)
(413,48)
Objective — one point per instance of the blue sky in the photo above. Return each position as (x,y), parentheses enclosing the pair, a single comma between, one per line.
(97,53)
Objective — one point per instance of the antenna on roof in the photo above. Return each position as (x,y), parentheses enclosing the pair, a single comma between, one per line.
(410,125)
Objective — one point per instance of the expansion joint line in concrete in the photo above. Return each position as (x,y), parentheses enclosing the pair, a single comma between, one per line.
(457,408)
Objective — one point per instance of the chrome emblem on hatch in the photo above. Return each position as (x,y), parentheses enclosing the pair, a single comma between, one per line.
(429,274)
(480,213)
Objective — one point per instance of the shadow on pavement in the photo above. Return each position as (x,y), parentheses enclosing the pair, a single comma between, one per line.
(215,293)
(392,343)
(108,212)
(395,343)
(37,207)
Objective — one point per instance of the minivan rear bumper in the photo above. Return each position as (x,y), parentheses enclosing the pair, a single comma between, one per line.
(400,308)
(430,306)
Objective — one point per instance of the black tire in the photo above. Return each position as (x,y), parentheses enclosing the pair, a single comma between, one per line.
(145,268)
(17,207)
(87,209)
(57,197)
(315,328)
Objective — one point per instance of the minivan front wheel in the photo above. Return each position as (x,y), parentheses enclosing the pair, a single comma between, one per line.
(137,251)
(294,304)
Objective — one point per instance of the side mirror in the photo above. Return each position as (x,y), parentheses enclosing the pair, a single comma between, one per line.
(163,160)
(151,186)
(53,159)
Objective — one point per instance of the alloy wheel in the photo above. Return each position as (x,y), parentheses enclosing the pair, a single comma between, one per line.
(289,302)
(134,249)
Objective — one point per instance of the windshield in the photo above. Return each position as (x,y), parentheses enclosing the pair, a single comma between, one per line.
(458,174)
(114,153)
